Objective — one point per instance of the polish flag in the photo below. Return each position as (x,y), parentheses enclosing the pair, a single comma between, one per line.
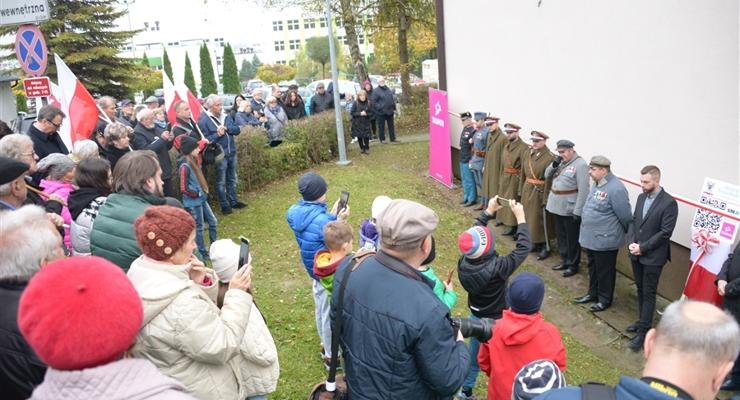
(195,107)
(56,95)
(77,104)
(171,96)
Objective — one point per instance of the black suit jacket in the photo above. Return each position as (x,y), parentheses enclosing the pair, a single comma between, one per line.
(653,231)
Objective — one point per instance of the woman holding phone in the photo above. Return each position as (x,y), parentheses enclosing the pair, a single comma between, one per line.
(184,333)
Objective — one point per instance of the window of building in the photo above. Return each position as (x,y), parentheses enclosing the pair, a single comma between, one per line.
(338,21)
(294,44)
(279,45)
(219,60)
(277,26)
(293,25)
(309,23)
(322,22)
(361,39)
(280,62)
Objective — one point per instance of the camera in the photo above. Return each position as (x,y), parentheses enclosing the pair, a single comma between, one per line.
(480,329)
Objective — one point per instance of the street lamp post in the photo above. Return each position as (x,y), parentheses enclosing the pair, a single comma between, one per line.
(128,14)
(334,74)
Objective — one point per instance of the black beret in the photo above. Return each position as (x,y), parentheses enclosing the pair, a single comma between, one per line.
(11,169)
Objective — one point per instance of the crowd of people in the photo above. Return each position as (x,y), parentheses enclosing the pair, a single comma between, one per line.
(110,291)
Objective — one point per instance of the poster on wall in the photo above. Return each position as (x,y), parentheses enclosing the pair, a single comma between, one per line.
(440,157)
(713,233)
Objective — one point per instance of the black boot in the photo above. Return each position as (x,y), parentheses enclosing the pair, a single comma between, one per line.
(543,253)
(635,344)
(510,232)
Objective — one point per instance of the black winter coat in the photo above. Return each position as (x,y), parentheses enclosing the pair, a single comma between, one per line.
(361,125)
(297,111)
(730,272)
(149,139)
(485,279)
(397,338)
(44,144)
(20,368)
(384,102)
(321,103)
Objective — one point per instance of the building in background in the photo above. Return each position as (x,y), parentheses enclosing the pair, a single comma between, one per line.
(640,82)
(289,28)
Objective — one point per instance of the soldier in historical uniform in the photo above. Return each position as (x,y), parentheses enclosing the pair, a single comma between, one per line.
(570,186)
(470,196)
(533,191)
(477,161)
(511,168)
(492,165)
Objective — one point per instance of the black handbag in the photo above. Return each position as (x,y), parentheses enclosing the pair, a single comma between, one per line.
(335,387)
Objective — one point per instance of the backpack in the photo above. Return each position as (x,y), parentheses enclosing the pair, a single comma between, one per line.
(597,391)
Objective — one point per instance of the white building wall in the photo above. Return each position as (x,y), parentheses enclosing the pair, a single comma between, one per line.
(641,82)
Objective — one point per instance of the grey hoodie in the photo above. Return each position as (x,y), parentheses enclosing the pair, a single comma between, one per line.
(130,379)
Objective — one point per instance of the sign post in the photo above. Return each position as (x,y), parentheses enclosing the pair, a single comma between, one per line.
(440,158)
(18,12)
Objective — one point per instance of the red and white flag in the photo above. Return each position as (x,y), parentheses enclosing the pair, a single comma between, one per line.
(77,104)
(56,95)
(195,107)
(170,98)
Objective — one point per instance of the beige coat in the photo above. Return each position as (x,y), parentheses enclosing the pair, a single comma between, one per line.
(492,166)
(259,372)
(511,164)
(184,333)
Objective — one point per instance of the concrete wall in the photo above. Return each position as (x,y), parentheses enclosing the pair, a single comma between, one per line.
(641,82)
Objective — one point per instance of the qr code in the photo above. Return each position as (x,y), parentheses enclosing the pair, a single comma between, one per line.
(718,204)
(707,220)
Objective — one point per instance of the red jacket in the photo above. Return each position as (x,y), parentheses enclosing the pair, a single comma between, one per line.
(517,340)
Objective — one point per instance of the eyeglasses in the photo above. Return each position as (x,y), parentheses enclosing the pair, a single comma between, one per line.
(55,125)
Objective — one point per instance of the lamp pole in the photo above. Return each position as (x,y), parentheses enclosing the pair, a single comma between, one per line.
(337,105)
(128,14)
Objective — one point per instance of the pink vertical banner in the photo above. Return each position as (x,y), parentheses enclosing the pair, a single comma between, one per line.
(440,158)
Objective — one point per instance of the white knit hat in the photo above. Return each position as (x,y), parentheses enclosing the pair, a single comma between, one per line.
(224,255)
(379,205)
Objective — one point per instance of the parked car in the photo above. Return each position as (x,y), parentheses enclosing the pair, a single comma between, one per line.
(253,84)
(227,101)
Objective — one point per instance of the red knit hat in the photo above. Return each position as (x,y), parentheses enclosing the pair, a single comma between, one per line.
(80,312)
(163,230)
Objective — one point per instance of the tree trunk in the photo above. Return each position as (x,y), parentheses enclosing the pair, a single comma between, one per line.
(350,29)
(403,54)
(323,69)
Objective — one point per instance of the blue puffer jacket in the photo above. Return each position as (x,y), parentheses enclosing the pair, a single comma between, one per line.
(208,126)
(627,389)
(397,338)
(307,219)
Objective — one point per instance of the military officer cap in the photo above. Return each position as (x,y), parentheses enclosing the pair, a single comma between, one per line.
(465,115)
(490,117)
(509,127)
(565,144)
(479,115)
(537,136)
(600,161)
(151,99)
(11,169)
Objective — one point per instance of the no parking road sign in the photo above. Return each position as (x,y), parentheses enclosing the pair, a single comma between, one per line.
(37,87)
(30,49)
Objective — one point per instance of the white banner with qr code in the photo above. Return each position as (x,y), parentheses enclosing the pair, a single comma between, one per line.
(713,233)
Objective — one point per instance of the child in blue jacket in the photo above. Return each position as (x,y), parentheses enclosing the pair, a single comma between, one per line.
(194,190)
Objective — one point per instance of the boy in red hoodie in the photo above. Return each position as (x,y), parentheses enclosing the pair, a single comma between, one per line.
(519,337)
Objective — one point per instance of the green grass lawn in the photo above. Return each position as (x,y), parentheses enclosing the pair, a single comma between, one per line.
(283,289)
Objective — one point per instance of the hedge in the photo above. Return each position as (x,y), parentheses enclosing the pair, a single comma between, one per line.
(308,142)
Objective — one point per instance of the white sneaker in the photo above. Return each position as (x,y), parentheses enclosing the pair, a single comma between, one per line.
(354,140)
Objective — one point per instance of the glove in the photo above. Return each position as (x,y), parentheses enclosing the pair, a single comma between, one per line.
(556,161)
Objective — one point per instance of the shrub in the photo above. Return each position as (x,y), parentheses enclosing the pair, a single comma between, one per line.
(414,117)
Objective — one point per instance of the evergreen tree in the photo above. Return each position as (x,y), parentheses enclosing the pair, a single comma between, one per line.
(207,76)
(231,75)
(256,64)
(246,72)
(145,61)
(167,65)
(189,79)
(84,34)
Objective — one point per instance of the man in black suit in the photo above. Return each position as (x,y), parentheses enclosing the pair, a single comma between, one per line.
(649,237)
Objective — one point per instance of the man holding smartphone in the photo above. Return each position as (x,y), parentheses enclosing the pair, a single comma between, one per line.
(570,186)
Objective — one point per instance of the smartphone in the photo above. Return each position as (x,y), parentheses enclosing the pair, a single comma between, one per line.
(343,200)
(504,202)
(243,251)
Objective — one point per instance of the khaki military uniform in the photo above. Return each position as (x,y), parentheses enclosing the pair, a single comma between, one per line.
(492,167)
(511,168)
(533,192)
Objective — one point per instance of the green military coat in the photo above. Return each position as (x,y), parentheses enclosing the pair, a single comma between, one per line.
(511,165)
(492,167)
(534,190)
